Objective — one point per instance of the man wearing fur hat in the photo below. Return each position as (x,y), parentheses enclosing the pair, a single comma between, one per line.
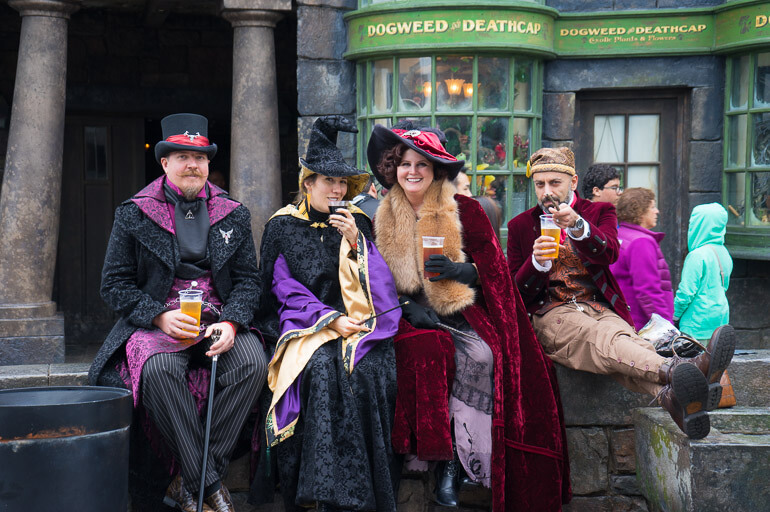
(182,232)
(578,311)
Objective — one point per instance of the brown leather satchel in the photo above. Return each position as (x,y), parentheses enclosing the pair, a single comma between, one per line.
(728,394)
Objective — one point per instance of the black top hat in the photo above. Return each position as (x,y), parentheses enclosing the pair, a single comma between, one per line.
(185,132)
(427,141)
(324,157)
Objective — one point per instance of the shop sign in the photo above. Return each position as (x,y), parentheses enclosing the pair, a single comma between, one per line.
(734,26)
(743,26)
(623,35)
(426,28)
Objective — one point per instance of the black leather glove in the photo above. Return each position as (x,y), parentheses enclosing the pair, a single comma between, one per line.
(418,316)
(447,269)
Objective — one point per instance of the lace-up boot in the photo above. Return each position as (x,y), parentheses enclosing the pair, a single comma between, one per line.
(712,363)
(684,397)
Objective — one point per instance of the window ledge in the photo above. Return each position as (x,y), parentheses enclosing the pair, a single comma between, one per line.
(749,253)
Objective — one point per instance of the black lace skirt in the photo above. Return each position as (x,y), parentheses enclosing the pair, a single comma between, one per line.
(340,456)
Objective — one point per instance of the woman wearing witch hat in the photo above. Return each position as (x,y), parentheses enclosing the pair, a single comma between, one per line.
(475,389)
(328,306)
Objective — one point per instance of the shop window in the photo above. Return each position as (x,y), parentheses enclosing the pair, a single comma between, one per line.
(488,106)
(631,143)
(746,190)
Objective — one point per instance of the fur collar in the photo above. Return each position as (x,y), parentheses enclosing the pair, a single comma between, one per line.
(399,235)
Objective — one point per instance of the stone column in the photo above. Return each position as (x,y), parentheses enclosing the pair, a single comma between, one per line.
(30,329)
(255,164)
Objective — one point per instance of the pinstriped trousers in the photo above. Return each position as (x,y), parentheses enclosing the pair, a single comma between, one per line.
(241,373)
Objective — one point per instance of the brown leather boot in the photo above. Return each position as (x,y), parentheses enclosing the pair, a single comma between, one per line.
(180,498)
(221,501)
(712,363)
(684,397)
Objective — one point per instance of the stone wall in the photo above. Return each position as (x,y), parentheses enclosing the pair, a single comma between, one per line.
(749,296)
(326,83)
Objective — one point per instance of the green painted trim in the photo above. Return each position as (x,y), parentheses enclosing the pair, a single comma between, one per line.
(728,28)
(420,5)
(411,49)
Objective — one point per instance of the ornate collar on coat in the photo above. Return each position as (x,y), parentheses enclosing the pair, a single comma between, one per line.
(301,212)
(399,235)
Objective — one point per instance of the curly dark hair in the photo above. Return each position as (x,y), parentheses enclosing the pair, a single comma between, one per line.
(634,203)
(391,159)
(597,175)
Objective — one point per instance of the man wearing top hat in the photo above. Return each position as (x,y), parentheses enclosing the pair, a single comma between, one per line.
(578,311)
(182,232)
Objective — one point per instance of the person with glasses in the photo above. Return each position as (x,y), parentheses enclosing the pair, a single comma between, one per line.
(601,183)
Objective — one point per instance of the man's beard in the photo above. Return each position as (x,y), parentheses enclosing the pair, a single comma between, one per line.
(190,193)
(568,201)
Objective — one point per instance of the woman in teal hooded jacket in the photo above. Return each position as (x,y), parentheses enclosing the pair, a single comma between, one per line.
(700,304)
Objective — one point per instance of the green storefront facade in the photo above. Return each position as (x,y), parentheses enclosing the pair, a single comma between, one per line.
(636,88)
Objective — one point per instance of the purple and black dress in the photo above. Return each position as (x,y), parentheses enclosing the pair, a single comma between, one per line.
(330,419)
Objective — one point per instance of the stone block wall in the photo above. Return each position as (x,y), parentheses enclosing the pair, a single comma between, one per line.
(600,437)
(748,296)
(326,83)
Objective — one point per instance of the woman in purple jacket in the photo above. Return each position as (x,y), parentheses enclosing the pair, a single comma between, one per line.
(641,269)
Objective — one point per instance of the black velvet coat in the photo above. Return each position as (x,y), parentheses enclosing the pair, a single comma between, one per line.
(139,271)
(340,454)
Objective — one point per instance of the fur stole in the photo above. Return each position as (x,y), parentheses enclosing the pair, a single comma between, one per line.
(399,235)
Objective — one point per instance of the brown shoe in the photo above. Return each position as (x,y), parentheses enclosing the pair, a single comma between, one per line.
(220,501)
(180,498)
(712,363)
(684,397)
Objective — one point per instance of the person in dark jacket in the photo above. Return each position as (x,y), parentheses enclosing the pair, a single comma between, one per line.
(182,232)
(367,200)
(601,183)
(641,268)
(577,309)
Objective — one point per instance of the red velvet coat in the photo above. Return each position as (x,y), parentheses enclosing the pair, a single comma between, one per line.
(530,465)
(596,252)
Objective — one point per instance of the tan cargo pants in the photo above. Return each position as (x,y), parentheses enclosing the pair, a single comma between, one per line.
(599,343)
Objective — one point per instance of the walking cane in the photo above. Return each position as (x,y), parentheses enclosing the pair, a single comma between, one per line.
(214,338)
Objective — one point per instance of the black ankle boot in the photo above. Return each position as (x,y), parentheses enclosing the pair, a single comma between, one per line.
(447,483)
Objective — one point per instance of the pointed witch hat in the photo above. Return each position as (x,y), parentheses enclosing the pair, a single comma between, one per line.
(324,157)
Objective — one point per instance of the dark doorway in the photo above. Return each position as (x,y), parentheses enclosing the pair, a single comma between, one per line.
(641,134)
(103,165)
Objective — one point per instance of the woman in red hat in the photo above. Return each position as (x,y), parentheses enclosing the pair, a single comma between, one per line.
(475,390)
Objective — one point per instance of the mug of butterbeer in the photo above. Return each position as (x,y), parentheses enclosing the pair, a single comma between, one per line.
(191,301)
(431,245)
(549,228)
